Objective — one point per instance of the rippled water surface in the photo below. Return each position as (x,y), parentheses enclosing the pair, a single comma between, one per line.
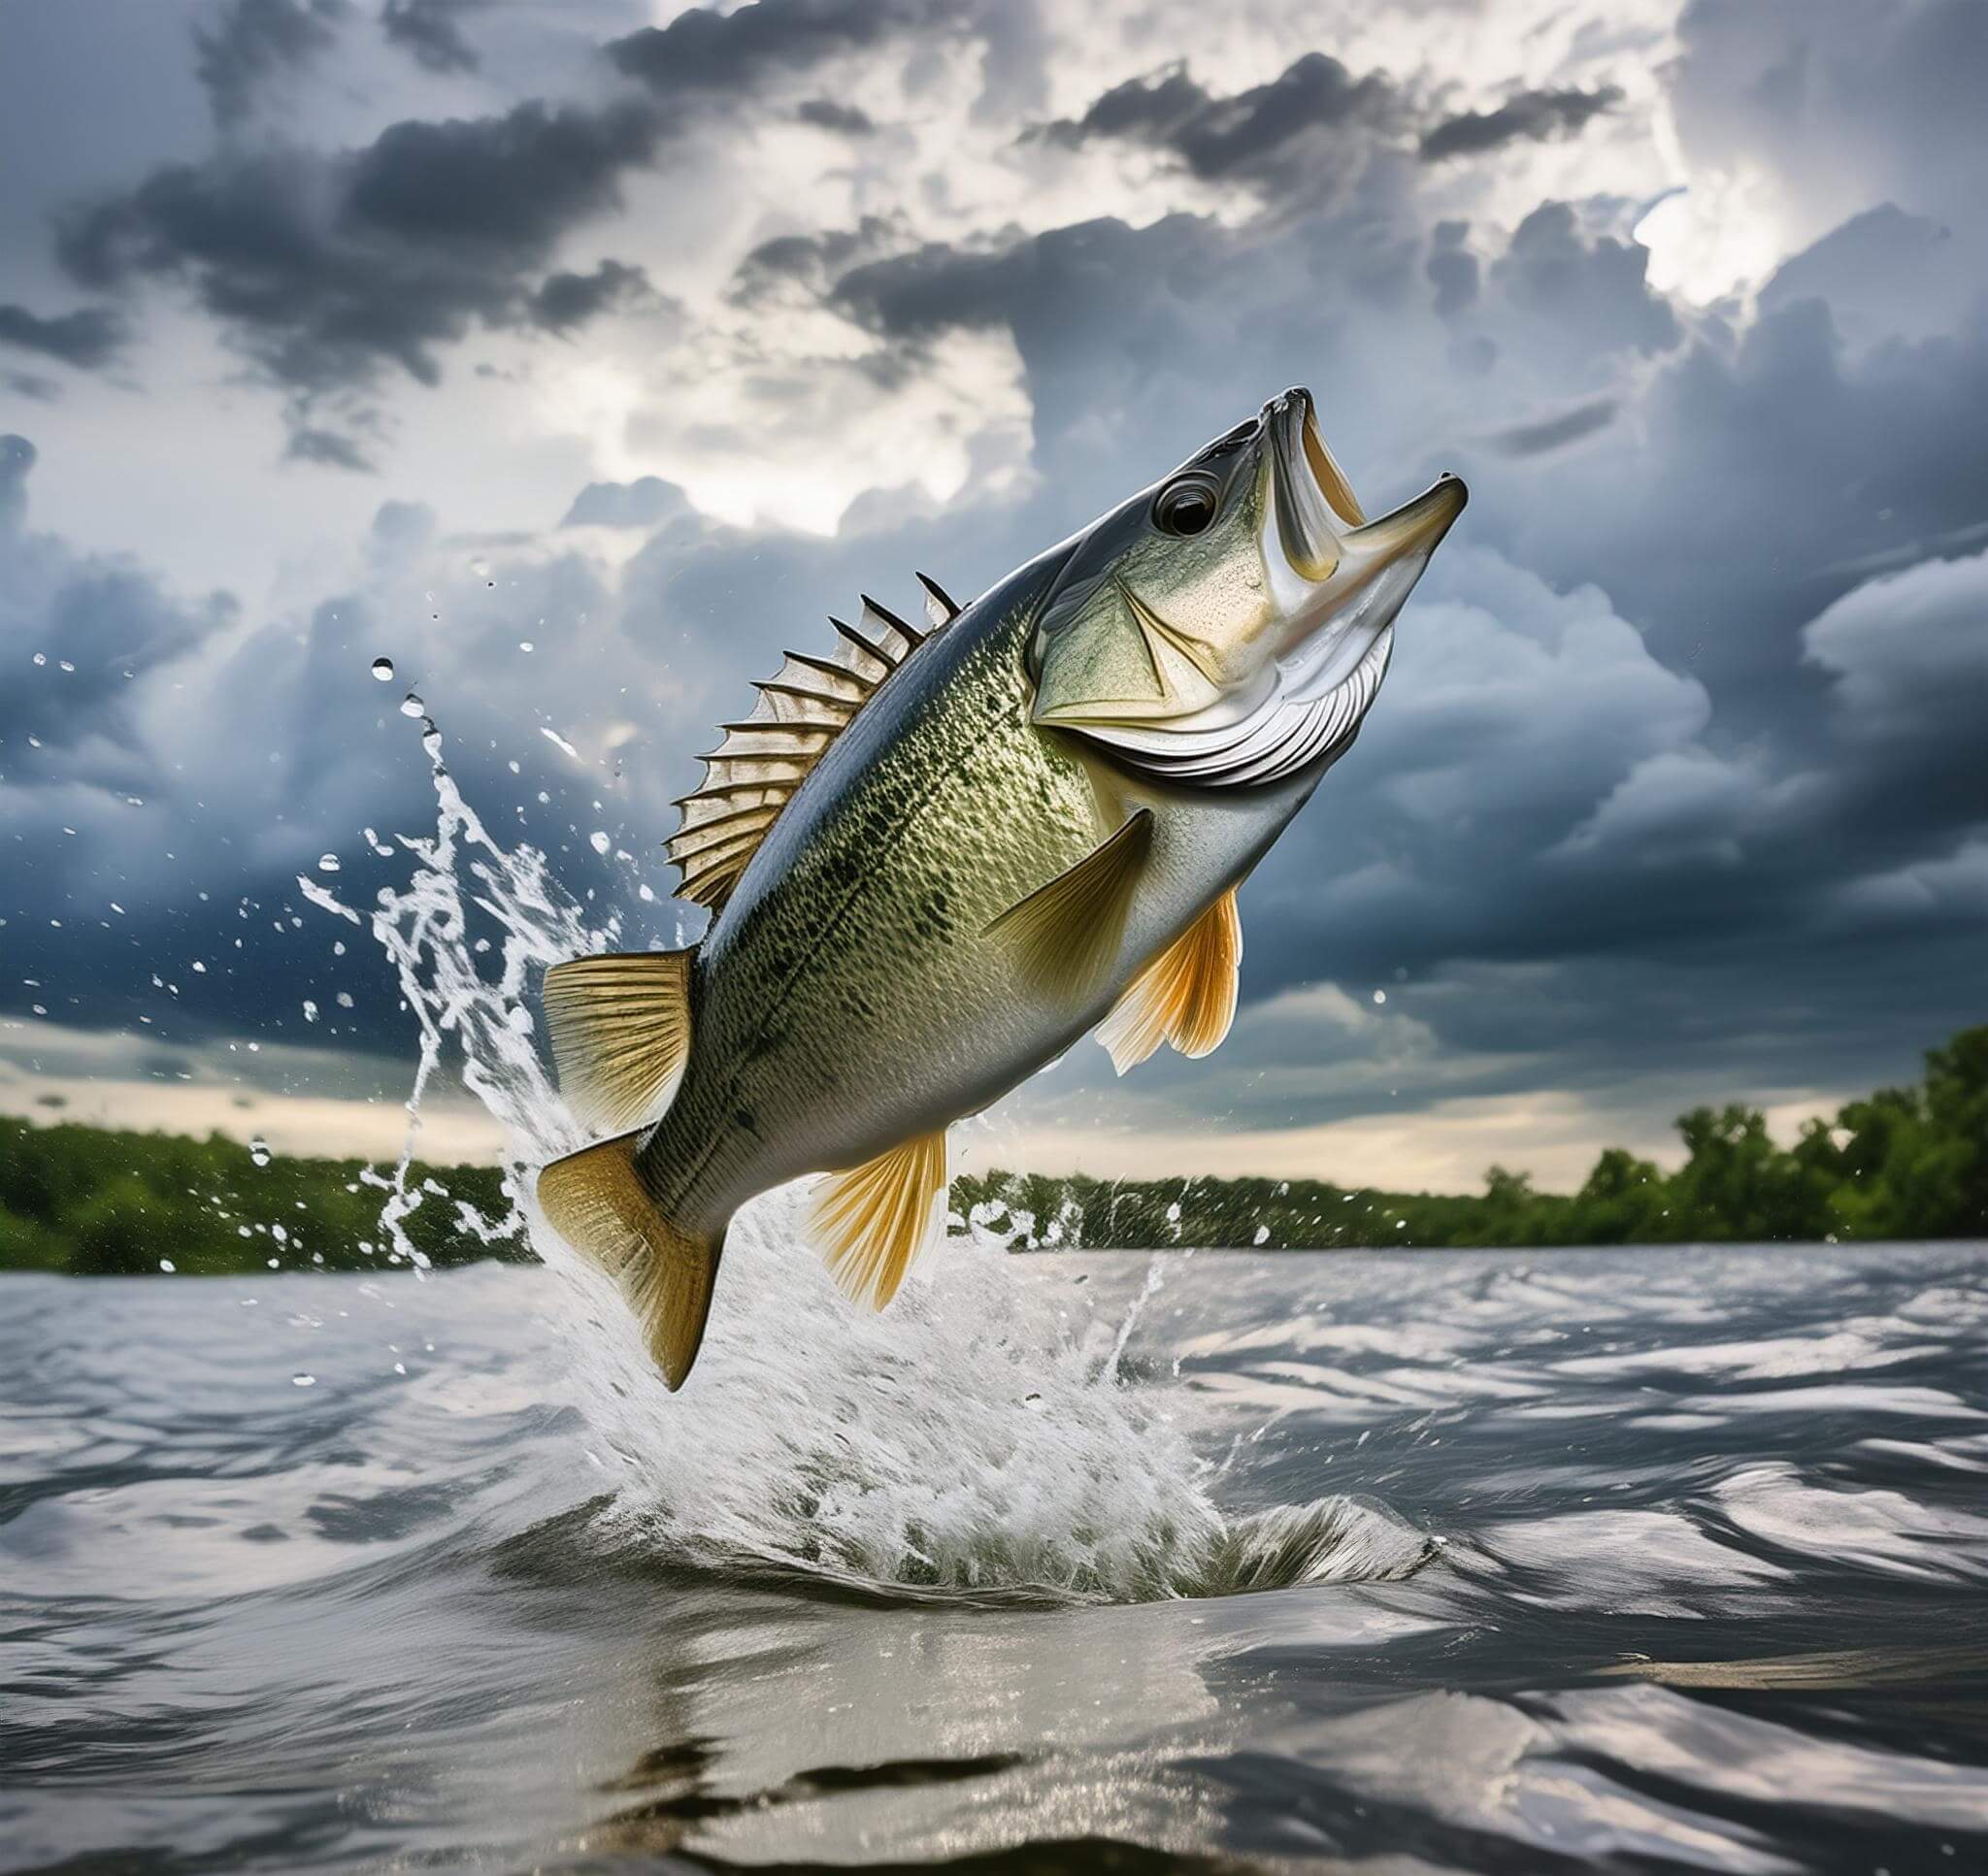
(1640,1559)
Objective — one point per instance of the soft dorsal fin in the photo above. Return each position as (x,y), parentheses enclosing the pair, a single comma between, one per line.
(871,1222)
(754,771)
(1065,935)
(1186,996)
(621,1028)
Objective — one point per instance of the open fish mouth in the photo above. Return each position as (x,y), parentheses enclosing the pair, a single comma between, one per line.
(1338,581)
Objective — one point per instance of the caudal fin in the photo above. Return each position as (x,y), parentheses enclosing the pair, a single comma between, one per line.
(596,1200)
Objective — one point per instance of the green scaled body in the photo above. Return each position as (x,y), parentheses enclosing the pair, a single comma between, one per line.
(936,862)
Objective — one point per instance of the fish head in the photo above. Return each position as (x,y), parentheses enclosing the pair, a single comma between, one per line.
(1233,622)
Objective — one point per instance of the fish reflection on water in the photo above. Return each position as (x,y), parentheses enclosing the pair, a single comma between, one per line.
(1621,1559)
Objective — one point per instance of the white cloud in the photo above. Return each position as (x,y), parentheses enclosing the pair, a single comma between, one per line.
(1908,647)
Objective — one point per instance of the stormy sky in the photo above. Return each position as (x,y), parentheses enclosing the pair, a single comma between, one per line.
(578,358)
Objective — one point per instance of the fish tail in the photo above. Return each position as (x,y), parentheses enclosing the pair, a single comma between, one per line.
(598,1201)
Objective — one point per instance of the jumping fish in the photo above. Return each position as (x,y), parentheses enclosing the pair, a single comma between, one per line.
(939,855)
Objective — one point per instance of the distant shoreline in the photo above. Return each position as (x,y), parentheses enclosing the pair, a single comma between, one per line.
(1906,1164)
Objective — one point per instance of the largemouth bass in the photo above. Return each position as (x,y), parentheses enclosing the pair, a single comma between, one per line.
(939,856)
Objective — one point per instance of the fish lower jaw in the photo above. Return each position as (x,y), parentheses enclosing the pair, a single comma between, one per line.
(1328,653)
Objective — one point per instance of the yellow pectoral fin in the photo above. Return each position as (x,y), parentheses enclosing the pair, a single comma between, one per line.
(870,1223)
(620,1029)
(1065,935)
(1186,996)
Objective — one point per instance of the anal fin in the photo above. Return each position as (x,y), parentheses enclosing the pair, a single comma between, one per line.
(596,1199)
(870,1223)
(620,1027)
(1186,996)
(1065,935)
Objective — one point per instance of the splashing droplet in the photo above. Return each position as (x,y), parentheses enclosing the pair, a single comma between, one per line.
(327,863)
(383,669)
(411,705)
(598,841)
(258,1150)
(167,1265)
(303,1380)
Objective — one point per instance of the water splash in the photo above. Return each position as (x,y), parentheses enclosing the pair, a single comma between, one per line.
(977,1437)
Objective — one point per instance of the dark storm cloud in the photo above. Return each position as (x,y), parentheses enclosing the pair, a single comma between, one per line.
(1148,108)
(249,41)
(564,301)
(1678,764)
(328,448)
(98,625)
(1677,807)
(1528,116)
(162,796)
(703,52)
(1555,432)
(645,503)
(1596,289)
(326,268)
(30,384)
(810,261)
(1883,246)
(845,119)
(329,269)
(16,461)
(511,183)
(1768,472)
(1253,133)
(1848,102)
(937,286)
(88,337)
(431,31)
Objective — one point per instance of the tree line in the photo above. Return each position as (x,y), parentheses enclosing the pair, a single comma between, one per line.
(1904,1163)
(93,1202)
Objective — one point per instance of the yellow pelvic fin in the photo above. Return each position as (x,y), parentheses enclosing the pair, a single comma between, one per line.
(871,1222)
(621,1033)
(1066,934)
(596,1200)
(1186,996)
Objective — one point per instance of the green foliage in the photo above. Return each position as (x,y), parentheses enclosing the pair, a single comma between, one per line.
(1907,1162)
(97,1203)
(1904,1163)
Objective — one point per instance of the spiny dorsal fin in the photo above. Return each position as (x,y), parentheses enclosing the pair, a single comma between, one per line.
(1066,934)
(940,608)
(1186,996)
(763,759)
(871,1222)
(620,1027)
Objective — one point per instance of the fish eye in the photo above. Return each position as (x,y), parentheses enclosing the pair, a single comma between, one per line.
(1186,505)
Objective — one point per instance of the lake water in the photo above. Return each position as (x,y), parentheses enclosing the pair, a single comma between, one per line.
(1521,1561)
